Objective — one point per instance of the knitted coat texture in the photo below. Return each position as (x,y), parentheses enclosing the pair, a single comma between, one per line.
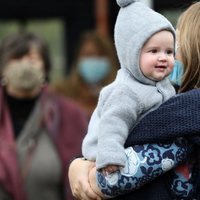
(177,117)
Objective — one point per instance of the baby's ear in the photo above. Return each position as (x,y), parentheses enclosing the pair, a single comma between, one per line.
(124,3)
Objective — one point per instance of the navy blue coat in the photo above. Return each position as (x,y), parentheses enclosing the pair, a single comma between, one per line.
(178,117)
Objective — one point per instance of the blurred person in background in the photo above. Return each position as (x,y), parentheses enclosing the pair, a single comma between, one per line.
(95,66)
(40,131)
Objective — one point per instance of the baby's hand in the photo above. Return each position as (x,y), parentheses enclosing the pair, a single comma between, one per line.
(110,169)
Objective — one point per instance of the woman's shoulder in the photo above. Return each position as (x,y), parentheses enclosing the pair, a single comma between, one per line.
(186,97)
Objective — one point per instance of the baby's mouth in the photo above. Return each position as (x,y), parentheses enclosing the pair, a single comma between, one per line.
(161,67)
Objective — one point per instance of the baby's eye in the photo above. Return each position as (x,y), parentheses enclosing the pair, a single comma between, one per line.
(154,51)
(170,51)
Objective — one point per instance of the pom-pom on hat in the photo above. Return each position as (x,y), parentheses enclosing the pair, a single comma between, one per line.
(124,3)
(135,24)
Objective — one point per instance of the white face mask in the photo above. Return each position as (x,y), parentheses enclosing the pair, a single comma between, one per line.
(24,75)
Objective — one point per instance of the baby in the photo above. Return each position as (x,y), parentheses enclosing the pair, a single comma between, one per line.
(144,42)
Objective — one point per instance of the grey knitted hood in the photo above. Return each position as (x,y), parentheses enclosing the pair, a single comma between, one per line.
(135,24)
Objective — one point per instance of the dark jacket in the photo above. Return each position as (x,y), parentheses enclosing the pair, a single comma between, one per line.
(178,117)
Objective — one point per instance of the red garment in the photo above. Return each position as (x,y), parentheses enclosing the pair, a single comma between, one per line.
(184,170)
(65,123)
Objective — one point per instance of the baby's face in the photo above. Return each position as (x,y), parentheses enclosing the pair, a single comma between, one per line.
(157,56)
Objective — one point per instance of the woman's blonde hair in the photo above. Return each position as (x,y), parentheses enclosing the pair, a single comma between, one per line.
(189,39)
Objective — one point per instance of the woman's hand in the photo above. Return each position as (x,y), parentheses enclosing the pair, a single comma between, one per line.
(93,182)
(79,179)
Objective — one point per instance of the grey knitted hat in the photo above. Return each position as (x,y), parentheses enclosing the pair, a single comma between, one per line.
(135,24)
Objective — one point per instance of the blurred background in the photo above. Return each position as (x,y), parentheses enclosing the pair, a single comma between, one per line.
(61,22)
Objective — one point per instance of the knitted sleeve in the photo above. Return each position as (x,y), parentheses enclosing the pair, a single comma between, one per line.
(119,112)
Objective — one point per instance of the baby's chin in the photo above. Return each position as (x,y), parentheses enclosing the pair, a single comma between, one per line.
(159,77)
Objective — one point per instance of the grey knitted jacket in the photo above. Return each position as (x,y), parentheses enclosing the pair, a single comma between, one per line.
(131,96)
(121,105)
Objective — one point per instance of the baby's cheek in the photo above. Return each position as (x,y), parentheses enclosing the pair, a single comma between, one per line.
(170,68)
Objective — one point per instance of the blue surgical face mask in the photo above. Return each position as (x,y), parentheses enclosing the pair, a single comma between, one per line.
(177,73)
(93,70)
